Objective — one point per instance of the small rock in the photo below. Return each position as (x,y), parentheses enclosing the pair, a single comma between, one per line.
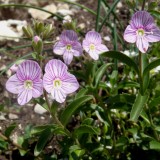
(42,117)
(41,15)
(64,10)
(39,109)
(2,117)
(81,26)
(13,116)
(3,67)
(9,73)
(107,38)
(119,5)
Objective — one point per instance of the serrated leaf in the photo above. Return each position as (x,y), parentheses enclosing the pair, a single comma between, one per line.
(138,106)
(42,141)
(154,145)
(123,58)
(72,107)
(86,129)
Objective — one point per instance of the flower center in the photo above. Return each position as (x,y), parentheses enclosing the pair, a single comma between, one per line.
(28,84)
(68,47)
(140,32)
(57,83)
(92,47)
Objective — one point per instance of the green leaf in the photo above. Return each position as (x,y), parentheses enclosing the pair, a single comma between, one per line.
(123,98)
(86,129)
(81,93)
(123,58)
(145,117)
(145,77)
(154,145)
(9,129)
(155,13)
(3,145)
(154,102)
(138,106)
(128,84)
(43,139)
(100,72)
(39,129)
(72,107)
(151,66)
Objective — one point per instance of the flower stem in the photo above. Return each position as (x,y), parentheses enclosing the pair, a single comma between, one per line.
(143,4)
(54,116)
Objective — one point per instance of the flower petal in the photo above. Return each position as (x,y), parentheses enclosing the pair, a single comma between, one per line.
(28,70)
(47,82)
(93,37)
(68,56)
(68,36)
(25,96)
(77,49)
(14,85)
(94,54)
(101,48)
(142,44)
(55,68)
(69,83)
(154,36)
(86,45)
(37,89)
(142,19)
(130,34)
(58,95)
(59,48)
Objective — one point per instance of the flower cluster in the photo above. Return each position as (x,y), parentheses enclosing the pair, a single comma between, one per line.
(27,82)
(69,46)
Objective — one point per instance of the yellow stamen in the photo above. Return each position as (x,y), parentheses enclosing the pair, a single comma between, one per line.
(28,84)
(92,47)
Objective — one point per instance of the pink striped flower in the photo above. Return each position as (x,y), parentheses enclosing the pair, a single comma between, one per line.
(68,46)
(92,44)
(142,30)
(27,82)
(58,81)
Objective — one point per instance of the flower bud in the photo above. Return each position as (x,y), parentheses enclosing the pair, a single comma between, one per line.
(36,39)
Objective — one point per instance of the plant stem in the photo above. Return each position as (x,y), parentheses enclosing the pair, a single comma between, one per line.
(108,14)
(98,15)
(34,7)
(143,4)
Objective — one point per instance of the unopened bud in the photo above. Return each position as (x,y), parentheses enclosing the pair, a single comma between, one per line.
(36,39)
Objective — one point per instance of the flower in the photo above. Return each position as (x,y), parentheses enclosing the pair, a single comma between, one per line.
(68,46)
(142,30)
(27,82)
(92,44)
(58,81)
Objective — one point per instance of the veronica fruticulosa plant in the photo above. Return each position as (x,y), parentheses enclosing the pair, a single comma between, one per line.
(142,30)
(92,44)
(68,46)
(58,81)
(27,82)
